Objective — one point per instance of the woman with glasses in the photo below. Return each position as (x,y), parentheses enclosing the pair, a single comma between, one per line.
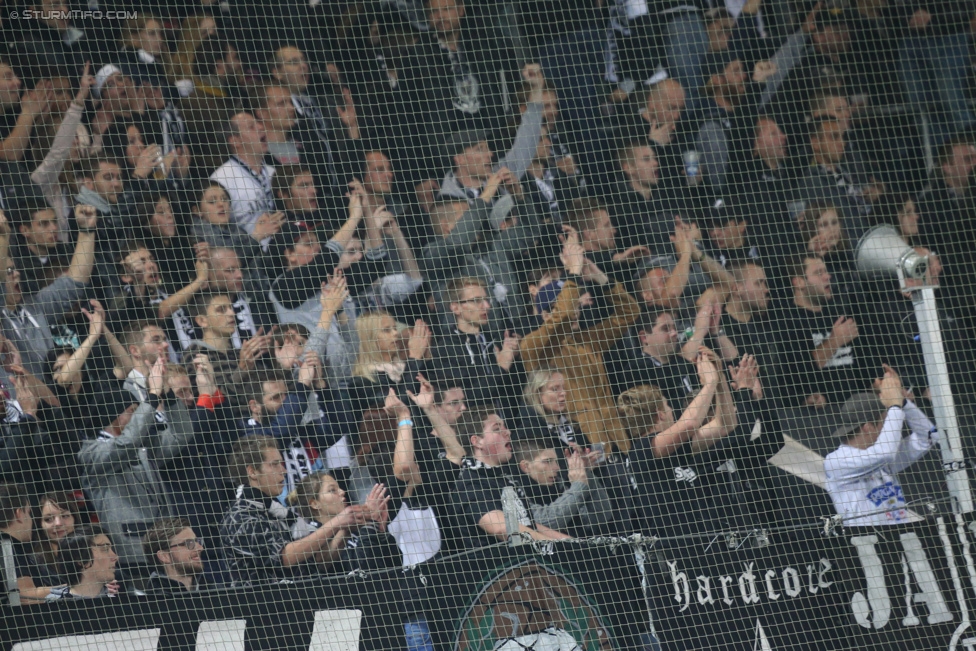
(87,565)
(177,552)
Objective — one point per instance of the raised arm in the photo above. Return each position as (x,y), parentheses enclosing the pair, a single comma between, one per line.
(185,295)
(33,104)
(707,322)
(684,246)
(721,278)
(849,461)
(47,173)
(604,335)
(404,252)
(442,430)
(122,358)
(924,431)
(107,452)
(334,294)
(348,229)
(520,156)
(785,60)
(914,447)
(541,344)
(405,466)
(724,418)
(375,221)
(693,345)
(74,364)
(667,442)
(83,260)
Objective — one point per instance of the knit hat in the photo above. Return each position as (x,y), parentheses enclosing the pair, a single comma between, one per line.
(291,232)
(103,75)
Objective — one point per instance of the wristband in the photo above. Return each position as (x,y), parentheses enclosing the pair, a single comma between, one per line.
(211,401)
(87,230)
(405,422)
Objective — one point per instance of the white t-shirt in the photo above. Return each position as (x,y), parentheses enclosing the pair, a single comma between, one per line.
(250,194)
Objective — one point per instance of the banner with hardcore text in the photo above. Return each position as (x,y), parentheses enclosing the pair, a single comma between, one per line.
(901,587)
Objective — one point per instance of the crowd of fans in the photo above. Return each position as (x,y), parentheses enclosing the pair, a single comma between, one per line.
(337,286)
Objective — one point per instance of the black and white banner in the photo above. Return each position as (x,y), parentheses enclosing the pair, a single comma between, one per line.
(905,587)
(900,587)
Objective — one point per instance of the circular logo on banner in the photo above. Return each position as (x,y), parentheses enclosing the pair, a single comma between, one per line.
(531,607)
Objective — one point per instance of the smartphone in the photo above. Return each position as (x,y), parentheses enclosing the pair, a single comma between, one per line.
(601,452)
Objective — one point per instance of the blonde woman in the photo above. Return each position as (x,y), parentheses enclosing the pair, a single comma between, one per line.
(379,362)
(548,412)
(677,486)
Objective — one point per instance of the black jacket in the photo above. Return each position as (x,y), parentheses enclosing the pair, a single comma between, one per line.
(431,89)
(254,533)
(160,584)
(325,147)
(468,361)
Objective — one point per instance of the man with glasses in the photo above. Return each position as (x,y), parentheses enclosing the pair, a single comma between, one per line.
(466,355)
(178,554)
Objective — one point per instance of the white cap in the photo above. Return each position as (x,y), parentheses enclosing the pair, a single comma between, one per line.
(102,76)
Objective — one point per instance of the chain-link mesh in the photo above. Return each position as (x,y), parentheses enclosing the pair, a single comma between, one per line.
(466,325)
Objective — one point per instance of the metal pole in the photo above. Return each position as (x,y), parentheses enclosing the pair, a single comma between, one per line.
(937,371)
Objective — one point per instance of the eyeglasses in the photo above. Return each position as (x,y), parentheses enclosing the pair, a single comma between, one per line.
(480,299)
(103,546)
(190,544)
